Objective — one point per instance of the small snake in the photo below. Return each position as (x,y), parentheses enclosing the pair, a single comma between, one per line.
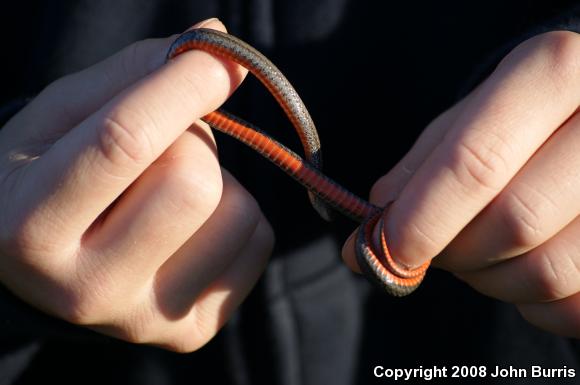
(371,248)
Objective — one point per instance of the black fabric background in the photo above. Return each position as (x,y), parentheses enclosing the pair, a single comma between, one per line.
(309,320)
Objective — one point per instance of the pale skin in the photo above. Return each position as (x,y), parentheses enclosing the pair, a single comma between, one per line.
(492,186)
(115,212)
(115,209)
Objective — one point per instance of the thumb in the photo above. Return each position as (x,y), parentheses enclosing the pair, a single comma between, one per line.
(136,109)
(388,187)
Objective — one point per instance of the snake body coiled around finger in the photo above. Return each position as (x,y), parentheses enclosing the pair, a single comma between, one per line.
(371,249)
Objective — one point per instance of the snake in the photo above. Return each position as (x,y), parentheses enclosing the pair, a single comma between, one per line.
(371,249)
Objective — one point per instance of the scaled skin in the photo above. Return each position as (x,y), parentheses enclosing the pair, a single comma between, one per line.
(116,205)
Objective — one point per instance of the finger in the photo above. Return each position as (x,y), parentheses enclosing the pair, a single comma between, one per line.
(88,168)
(209,252)
(154,322)
(388,187)
(215,305)
(560,317)
(537,203)
(68,100)
(547,273)
(152,304)
(167,207)
(505,122)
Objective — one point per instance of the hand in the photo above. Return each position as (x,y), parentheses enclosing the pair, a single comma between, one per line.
(115,213)
(492,187)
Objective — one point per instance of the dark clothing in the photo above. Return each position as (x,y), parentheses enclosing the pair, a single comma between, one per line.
(309,320)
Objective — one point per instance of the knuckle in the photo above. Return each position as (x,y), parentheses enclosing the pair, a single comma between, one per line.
(264,237)
(136,58)
(183,344)
(55,99)
(89,302)
(478,167)
(242,208)
(78,306)
(130,58)
(191,335)
(553,278)
(522,221)
(202,329)
(562,54)
(122,138)
(138,328)
(27,237)
(195,191)
(94,306)
(57,87)
(386,188)
(379,187)
(16,237)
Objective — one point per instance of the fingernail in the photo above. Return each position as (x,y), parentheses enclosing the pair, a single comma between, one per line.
(203,23)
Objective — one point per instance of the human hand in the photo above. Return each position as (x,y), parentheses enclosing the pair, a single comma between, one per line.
(115,214)
(492,186)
